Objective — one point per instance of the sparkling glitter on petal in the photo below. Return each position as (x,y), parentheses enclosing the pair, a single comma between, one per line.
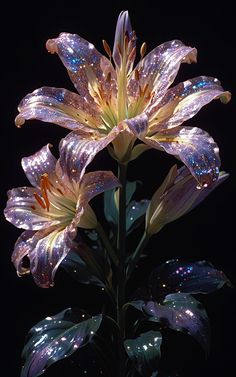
(97,182)
(160,67)
(39,163)
(76,54)
(24,211)
(188,98)
(138,125)
(49,248)
(194,147)
(78,149)
(123,28)
(58,106)
(21,249)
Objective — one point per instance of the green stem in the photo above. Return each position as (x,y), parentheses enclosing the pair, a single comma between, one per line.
(121,275)
(137,254)
(107,244)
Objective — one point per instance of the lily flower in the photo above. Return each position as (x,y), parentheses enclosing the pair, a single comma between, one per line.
(51,211)
(176,196)
(119,103)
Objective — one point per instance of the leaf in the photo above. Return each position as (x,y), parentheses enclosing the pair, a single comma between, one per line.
(179,276)
(134,213)
(184,313)
(75,266)
(111,201)
(145,352)
(55,338)
(110,208)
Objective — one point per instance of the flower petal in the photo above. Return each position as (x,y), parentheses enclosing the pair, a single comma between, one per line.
(138,125)
(22,249)
(59,106)
(77,55)
(97,182)
(48,248)
(185,100)
(195,147)
(78,149)
(160,67)
(24,211)
(38,164)
(123,30)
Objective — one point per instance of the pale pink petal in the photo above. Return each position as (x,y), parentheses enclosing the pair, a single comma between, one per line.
(45,249)
(78,55)
(194,147)
(160,67)
(138,125)
(185,100)
(59,106)
(38,164)
(97,182)
(77,150)
(24,211)
(48,252)
(123,30)
(21,249)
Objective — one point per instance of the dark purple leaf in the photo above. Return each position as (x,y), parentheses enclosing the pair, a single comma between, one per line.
(184,313)
(55,338)
(145,352)
(178,276)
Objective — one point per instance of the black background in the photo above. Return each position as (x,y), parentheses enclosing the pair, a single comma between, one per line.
(206,233)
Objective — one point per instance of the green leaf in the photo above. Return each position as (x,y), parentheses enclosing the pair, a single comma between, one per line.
(55,338)
(134,213)
(110,208)
(145,352)
(76,267)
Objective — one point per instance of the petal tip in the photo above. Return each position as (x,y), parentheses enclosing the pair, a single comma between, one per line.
(225,97)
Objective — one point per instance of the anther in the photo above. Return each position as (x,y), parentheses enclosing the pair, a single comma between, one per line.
(136,74)
(107,48)
(39,200)
(143,49)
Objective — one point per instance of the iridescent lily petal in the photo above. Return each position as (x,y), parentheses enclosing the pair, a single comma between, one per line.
(58,106)
(96,183)
(38,164)
(125,41)
(180,276)
(81,59)
(54,209)
(25,212)
(159,68)
(176,196)
(78,149)
(182,313)
(21,250)
(185,100)
(138,125)
(49,248)
(195,147)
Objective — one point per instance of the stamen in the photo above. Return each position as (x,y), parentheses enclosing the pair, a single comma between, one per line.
(33,207)
(132,54)
(143,49)
(136,74)
(108,77)
(39,200)
(107,48)
(44,185)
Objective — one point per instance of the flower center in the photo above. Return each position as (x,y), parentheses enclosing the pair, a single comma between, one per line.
(54,200)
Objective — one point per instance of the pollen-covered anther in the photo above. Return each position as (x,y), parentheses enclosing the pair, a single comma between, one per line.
(107,48)
(143,49)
